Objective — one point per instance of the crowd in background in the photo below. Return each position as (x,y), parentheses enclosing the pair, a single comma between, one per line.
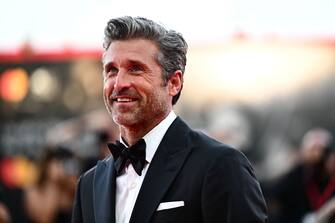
(42,190)
(44,194)
(48,197)
(305,193)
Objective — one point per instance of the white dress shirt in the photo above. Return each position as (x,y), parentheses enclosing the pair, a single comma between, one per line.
(128,184)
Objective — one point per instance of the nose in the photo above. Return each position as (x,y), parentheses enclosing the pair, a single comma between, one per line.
(122,81)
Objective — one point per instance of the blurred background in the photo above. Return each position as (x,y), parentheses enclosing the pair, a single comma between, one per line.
(260,76)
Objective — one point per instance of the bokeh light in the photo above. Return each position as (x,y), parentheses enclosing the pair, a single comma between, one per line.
(14,85)
(17,171)
(44,85)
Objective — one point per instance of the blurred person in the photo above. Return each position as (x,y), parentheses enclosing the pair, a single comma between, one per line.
(4,214)
(103,137)
(314,143)
(326,214)
(161,170)
(50,199)
(308,186)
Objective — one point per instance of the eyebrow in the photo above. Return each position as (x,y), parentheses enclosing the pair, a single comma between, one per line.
(154,56)
(128,63)
(137,62)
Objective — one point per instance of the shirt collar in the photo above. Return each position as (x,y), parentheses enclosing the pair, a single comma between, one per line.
(154,137)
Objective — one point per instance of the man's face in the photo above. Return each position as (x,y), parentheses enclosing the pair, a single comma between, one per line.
(134,90)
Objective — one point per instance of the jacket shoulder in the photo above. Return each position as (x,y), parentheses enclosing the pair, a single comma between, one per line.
(213,152)
(211,145)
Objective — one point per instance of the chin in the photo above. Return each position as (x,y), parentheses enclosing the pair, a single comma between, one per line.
(123,120)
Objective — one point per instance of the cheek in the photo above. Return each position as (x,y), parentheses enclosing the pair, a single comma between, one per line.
(108,87)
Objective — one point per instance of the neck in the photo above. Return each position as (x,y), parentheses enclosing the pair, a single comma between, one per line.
(131,134)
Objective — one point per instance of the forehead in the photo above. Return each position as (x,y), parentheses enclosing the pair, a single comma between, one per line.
(134,49)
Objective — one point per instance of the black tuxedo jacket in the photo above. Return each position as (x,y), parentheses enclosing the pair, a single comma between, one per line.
(215,182)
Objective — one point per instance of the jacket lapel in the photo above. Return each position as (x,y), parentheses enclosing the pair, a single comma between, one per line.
(165,165)
(104,192)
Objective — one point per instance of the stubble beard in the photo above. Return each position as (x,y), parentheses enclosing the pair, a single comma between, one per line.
(142,116)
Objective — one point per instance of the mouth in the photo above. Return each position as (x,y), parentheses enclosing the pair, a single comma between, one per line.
(124,100)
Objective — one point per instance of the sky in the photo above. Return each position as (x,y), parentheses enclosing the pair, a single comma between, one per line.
(79,23)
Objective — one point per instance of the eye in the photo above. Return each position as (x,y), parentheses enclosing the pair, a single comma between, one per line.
(111,70)
(135,68)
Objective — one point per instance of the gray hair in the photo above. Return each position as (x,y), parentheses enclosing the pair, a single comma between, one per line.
(171,44)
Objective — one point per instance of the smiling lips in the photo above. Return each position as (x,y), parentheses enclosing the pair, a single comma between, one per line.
(123,99)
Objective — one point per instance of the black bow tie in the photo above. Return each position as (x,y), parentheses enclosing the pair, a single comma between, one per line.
(135,154)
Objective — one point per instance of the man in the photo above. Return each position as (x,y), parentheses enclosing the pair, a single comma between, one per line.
(186,176)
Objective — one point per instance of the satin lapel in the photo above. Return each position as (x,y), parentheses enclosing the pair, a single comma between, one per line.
(104,192)
(164,167)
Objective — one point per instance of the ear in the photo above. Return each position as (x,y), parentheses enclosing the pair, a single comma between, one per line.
(175,83)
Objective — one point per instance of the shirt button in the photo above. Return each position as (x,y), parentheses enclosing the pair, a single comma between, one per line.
(132,185)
